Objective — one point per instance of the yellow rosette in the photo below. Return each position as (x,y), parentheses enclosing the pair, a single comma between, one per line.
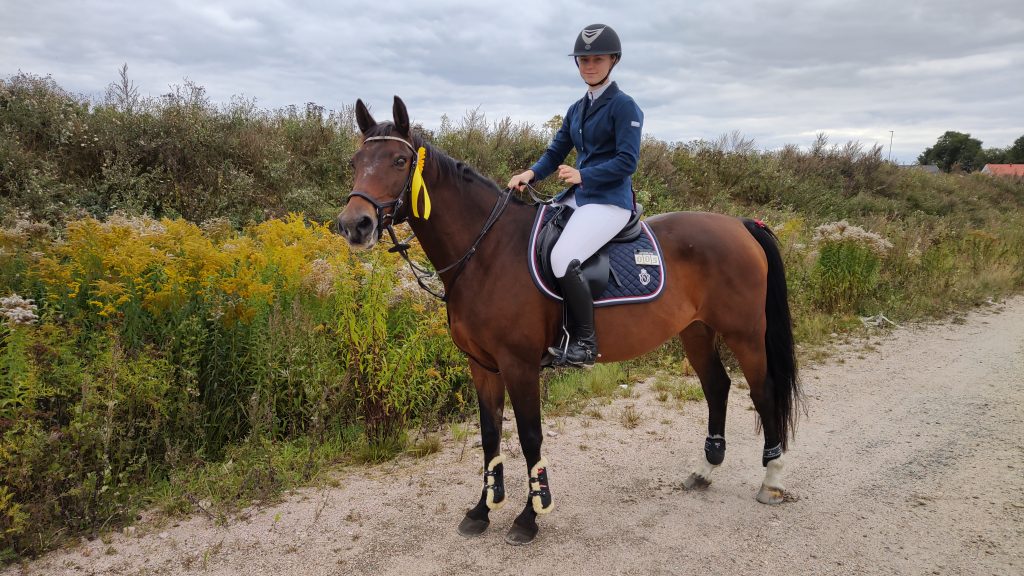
(417,184)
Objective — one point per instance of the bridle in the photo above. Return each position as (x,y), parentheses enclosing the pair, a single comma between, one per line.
(395,204)
(386,221)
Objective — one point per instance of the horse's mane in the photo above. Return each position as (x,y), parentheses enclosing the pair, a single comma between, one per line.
(455,170)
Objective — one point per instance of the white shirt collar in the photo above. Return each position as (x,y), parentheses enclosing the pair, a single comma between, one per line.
(595,93)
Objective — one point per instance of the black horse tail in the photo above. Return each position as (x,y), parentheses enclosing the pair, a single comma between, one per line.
(778,338)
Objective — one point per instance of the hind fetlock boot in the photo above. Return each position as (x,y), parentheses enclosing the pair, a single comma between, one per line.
(579,302)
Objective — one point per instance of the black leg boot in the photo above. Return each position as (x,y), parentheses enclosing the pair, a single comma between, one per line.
(579,302)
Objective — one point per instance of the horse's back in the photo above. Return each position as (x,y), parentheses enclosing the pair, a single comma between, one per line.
(706,235)
(715,261)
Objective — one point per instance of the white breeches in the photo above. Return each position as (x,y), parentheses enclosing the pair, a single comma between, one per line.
(590,227)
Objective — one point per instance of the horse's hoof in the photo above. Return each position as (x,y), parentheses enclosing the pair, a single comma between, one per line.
(769,495)
(520,535)
(470,527)
(696,482)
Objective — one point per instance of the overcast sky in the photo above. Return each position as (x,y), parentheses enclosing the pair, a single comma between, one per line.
(777,71)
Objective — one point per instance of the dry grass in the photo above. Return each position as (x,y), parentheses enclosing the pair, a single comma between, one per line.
(460,431)
(630,417)
(429,444)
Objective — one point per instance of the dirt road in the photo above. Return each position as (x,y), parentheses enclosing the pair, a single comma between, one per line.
(910,461)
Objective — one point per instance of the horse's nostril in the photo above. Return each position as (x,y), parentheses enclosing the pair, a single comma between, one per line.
(340,227)
(365,225)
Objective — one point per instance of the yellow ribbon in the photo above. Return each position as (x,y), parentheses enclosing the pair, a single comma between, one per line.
(417,183)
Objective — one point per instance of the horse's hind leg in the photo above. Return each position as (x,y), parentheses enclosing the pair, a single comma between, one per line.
(699,342)
(491,396)
(750,352)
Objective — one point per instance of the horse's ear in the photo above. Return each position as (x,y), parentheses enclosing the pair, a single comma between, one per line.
(363,117)
(401,117)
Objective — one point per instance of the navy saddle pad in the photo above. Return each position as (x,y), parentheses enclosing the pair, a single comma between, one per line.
(637,272)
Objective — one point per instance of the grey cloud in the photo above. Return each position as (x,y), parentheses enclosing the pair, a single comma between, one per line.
(778,71)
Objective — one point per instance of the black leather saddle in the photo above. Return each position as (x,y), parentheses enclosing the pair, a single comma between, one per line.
(597,269)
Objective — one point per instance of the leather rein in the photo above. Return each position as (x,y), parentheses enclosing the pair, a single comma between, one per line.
(386,221)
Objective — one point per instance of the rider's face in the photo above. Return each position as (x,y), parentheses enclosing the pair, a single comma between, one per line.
(594,68)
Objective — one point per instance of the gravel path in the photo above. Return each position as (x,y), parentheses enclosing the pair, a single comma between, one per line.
(909,461)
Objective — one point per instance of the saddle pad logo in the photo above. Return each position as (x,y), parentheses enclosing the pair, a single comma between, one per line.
(644,276)
(590,35)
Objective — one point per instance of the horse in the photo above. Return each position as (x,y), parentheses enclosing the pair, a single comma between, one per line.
(725,274)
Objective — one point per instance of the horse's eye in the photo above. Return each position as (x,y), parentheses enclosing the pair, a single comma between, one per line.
(400,161)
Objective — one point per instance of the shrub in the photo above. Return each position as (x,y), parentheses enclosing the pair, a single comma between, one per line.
(158,344)
(846,270)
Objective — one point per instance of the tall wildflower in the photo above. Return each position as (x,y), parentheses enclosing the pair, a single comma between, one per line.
(843,231)
(17,310)
(320,278)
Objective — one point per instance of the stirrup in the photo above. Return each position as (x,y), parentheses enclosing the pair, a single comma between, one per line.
(588,361)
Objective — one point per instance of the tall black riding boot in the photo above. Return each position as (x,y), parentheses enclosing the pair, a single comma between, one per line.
(579,302)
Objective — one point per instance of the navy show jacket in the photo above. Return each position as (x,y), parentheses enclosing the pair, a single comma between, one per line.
(607,142)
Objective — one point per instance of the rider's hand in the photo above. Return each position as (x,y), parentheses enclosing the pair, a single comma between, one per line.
(519,180)
(569,174)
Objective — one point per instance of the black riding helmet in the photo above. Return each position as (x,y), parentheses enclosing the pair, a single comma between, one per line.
(597,39)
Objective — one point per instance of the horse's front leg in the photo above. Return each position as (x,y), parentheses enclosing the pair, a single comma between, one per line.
(523,383)
(491,395)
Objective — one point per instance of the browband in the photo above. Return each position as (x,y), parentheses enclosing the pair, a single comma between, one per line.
(402,140)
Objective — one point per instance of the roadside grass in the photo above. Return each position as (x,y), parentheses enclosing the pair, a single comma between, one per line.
(426,445)
(630,417)
(677,387)
(255,473)
(259,473)
(460,431)
(568,391)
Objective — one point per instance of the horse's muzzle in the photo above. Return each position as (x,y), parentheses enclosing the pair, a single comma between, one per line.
(358,229)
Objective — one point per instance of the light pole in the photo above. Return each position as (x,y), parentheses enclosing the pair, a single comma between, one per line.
(891,132)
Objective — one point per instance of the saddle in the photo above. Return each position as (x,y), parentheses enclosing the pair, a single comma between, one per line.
(627,269)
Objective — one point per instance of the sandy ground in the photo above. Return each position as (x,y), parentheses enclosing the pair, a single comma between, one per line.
(909,461)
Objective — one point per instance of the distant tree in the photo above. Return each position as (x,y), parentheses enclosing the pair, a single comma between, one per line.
(954,149)
(1015,153)
(993,156)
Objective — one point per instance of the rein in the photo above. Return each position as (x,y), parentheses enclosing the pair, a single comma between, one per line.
(394,204)
(537,197)
(386,221)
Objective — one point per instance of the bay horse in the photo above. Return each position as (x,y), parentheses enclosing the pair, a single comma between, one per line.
(725,278)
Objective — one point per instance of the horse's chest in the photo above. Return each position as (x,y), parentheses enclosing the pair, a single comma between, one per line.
(461,334)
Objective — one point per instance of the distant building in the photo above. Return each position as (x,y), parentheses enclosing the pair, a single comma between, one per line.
(929,168)
(1011,170)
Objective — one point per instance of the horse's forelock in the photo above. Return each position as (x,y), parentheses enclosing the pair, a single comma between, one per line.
(380,129)
(389,129)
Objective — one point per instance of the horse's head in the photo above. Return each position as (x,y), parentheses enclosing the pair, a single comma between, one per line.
(382,172)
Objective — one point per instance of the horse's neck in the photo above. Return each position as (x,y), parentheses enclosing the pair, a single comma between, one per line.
(456,219)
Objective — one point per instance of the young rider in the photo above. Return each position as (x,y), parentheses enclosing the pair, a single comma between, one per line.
(605,128)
